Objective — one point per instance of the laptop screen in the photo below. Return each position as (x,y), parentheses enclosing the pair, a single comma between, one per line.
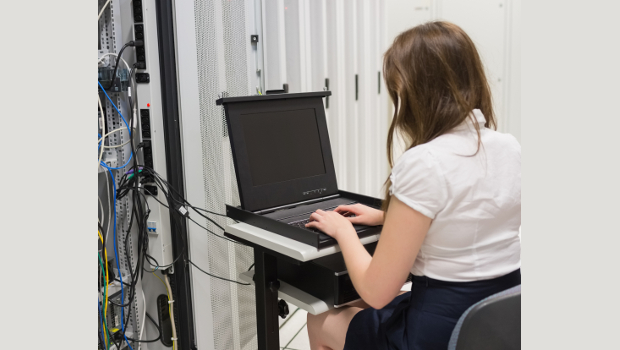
(282,146)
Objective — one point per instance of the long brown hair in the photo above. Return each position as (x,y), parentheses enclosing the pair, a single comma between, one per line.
(435,78)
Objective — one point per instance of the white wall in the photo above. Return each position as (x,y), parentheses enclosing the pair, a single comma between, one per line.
(494,26)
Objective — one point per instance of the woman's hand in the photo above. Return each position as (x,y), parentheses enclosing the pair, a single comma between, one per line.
(331,223)
(363,215)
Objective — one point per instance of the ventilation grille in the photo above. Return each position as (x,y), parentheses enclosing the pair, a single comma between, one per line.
(233,309)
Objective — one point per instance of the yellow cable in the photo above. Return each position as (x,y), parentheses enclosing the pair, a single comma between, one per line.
(105,309)
(169,305)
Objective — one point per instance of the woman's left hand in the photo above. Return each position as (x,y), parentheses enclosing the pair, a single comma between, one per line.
(331,223)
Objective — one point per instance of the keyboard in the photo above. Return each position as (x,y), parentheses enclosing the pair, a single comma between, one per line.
(302,223)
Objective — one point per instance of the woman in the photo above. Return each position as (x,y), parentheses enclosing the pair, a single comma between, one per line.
(452,207)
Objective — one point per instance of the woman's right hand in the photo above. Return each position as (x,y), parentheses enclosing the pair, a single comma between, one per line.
(364,215)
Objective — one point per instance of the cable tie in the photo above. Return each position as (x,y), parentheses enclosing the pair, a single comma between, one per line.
(183,211)
(174,339)
(170,301)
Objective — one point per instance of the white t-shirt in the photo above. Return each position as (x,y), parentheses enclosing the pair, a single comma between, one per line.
(474,201)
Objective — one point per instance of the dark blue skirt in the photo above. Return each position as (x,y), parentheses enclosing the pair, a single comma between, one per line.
(424,318)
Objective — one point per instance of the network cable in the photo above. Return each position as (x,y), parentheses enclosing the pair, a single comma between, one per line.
(150,340)
(129,183)
(136,43)
(128,129)
(118,266)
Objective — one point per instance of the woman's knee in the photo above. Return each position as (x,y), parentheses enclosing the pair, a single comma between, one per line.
(330,328)
(315,322)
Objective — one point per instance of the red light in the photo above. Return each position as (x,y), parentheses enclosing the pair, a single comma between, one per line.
(148,105)
(286,8)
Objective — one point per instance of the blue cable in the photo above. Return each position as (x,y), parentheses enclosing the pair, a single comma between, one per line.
(117,111)
(126,124)
(114,189)
(120,167)
(118,266)
(100,322)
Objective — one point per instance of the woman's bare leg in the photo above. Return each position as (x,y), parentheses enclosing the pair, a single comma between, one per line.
(328,330)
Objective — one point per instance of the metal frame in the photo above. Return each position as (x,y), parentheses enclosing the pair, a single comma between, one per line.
(114,32)
(267,285)
(181,288)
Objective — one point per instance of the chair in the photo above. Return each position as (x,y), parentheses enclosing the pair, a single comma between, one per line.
(492,323)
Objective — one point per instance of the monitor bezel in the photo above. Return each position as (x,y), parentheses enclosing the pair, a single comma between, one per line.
(256,198)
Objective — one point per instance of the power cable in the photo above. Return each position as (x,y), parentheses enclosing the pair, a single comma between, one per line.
(218,277)
(150,340)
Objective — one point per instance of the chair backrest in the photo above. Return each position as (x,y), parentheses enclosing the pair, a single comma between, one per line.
(492,323)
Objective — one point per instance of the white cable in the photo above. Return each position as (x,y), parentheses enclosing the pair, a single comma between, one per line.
(102,130)
(101,207)
(121,145)
(115,55)
(112,132)
(103,9)
(174,329)
(134,111)
(143,319)
(107,189)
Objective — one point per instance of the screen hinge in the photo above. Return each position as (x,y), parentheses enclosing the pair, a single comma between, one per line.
(292,205)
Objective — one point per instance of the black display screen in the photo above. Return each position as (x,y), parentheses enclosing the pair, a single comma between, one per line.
(282,146)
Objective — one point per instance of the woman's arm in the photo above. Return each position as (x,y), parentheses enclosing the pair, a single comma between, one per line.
(378,279)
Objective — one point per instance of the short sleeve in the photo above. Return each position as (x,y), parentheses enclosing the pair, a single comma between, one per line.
(418,181)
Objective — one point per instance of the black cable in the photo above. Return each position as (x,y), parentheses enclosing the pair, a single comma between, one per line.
(213,233)
(210,212)
(214,276)
(131,185)
(211,220)
(132,286)
(185,202)
(102,230)
(118,346)
(251,266)
(118,59)
(160,186)
(138,213)
(151,340)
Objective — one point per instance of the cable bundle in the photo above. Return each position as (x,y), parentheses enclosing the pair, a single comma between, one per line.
(131,184)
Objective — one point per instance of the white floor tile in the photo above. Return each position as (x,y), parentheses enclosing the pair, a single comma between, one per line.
(292,326)
(292,310)
(300,342)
